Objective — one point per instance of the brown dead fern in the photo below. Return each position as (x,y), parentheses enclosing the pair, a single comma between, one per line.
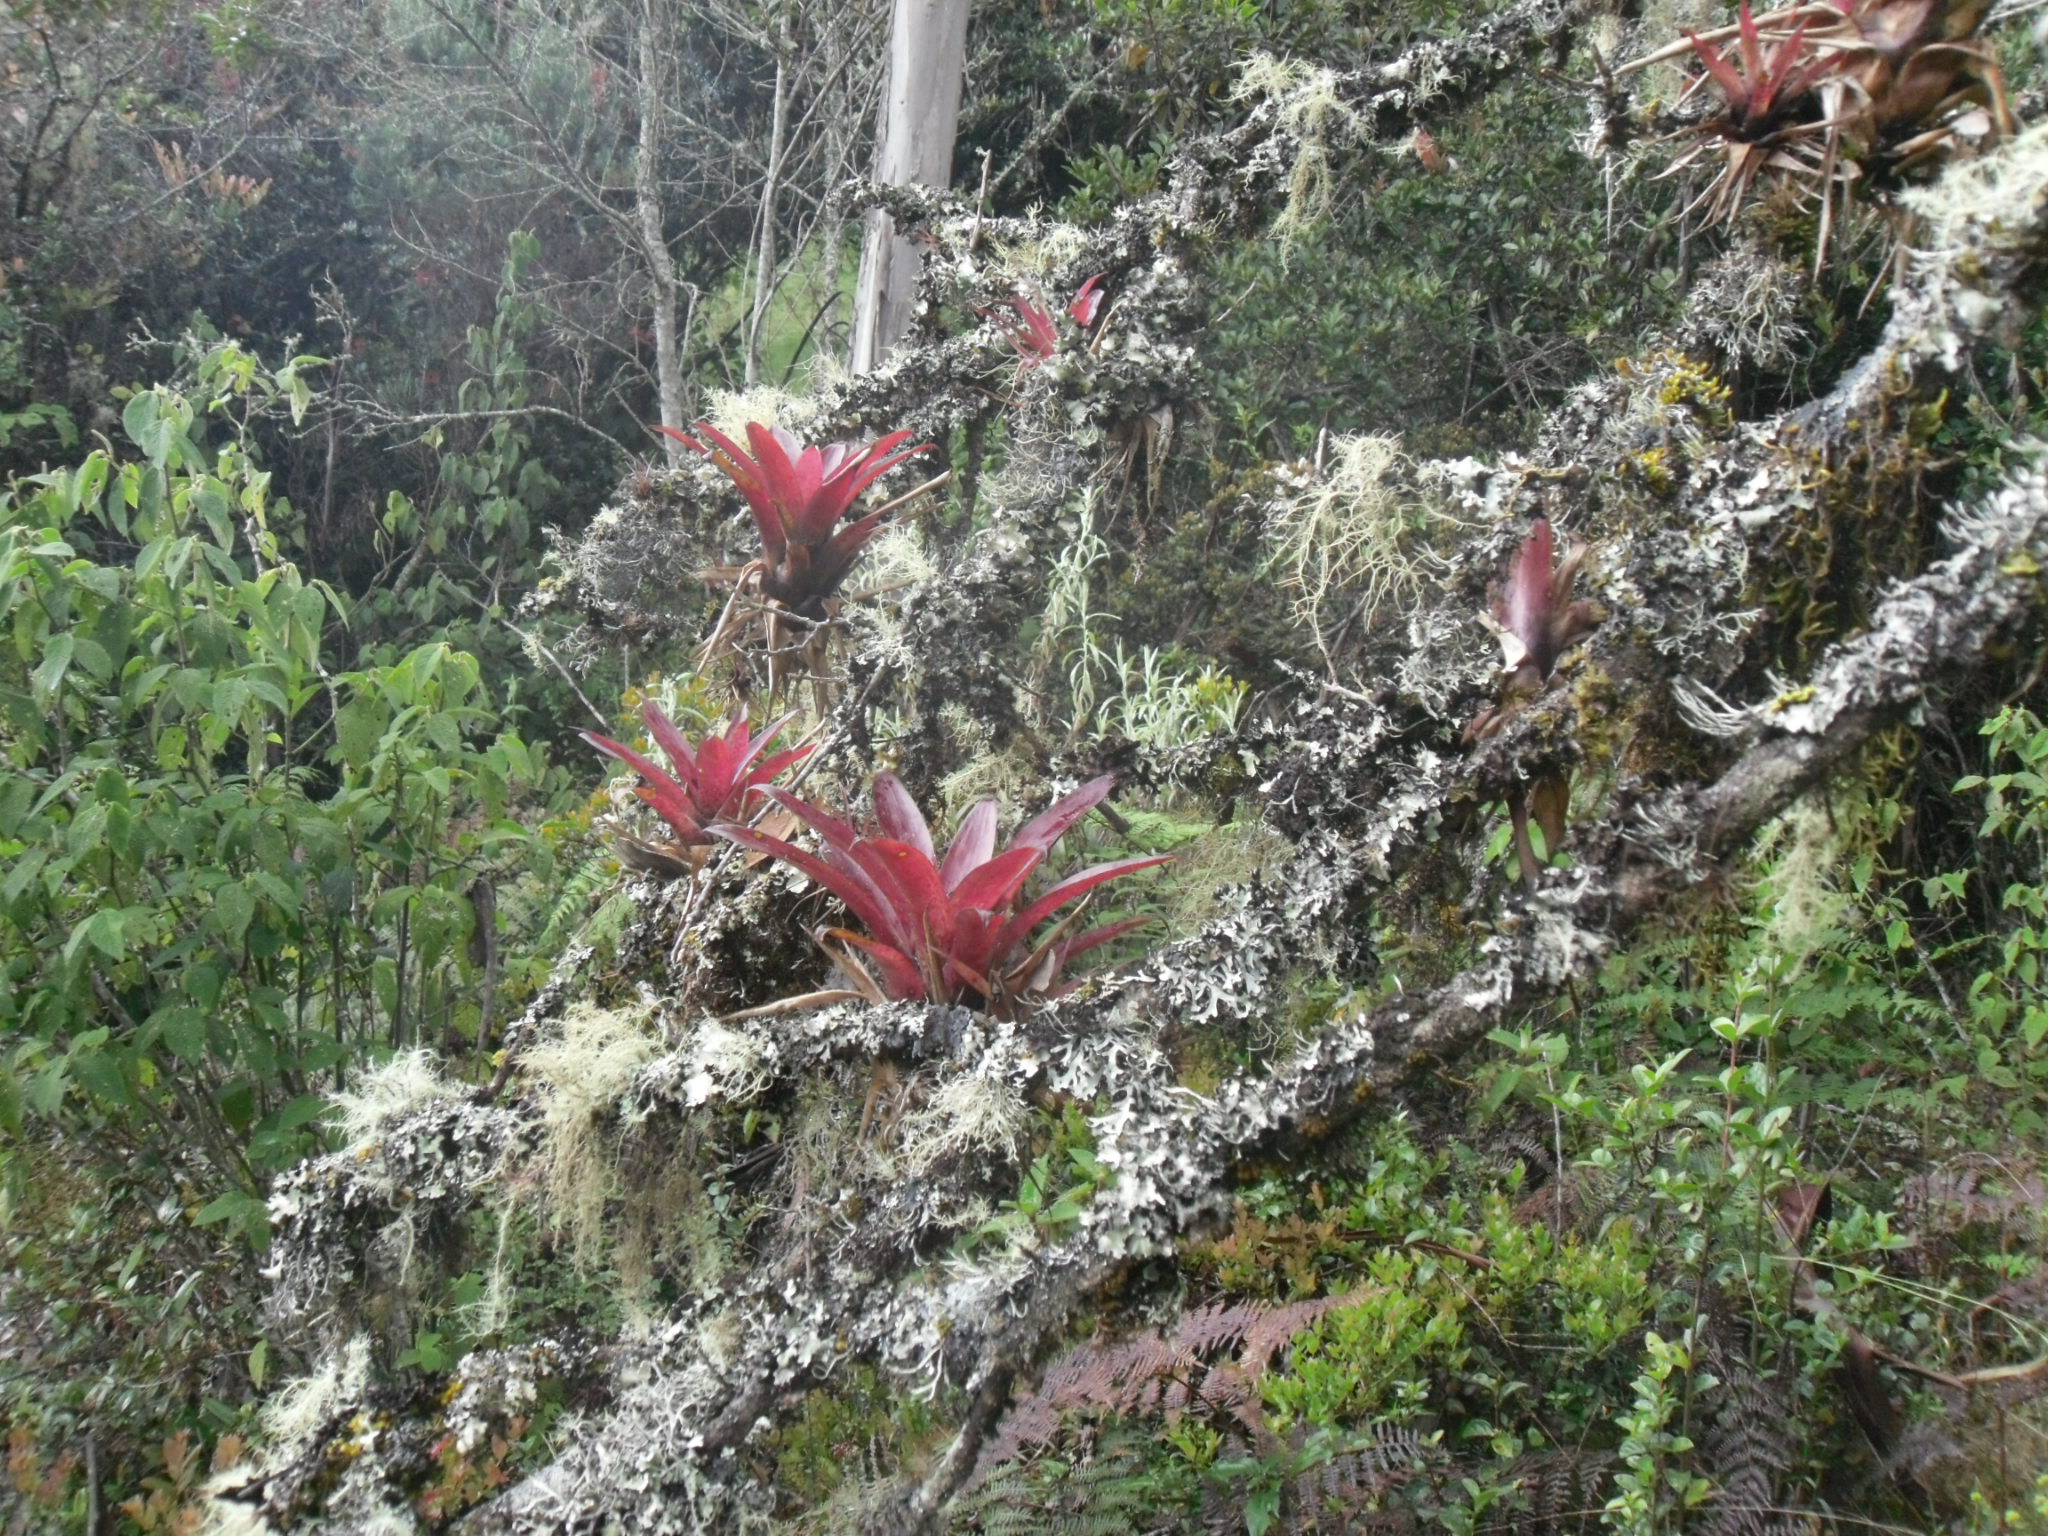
(1211,1361)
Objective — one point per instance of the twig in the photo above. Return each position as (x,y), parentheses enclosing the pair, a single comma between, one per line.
(540,645)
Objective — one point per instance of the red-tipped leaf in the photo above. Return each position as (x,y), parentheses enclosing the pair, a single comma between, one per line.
(853,887)
(994,885)
(973,845)
(901,979)
(1018,928)
(1087,302)
(1053,823)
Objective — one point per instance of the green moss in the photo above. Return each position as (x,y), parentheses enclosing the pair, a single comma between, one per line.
(858,1427)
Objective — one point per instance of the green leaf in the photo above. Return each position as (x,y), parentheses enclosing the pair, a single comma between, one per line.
(1261,1510)
(231,1206)
(56,660)
(358,728)
(218,508)
(1506,1083)
(25,868)
(233,907)
(238,1104)
(143,421)
(184,1031)
(306,1107)
(102,930)
(170,749)
(2034,1026)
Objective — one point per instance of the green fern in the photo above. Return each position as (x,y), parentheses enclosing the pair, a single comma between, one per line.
(1109,1488)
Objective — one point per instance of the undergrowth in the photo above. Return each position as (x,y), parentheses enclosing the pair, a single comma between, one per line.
(1745,1239)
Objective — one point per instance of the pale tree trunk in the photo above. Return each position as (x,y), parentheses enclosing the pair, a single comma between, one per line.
(764,261)
(661,266)
(920,113)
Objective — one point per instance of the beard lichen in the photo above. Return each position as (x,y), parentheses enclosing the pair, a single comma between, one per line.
(582,1077)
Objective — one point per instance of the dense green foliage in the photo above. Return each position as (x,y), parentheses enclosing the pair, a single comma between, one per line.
(233,875)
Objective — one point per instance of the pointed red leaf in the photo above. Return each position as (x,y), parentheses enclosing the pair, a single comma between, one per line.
(1524,608)
(836,556)
(1751,42)
(1050,825)
(956,973)
(1087,302)
(924,909)
(873,466)
(1095,938)
(854,887)
(973,951)
(746,474)
(672,802)
(669,739)
(899,815)
(837,833)
(1018,928)
(714,770)
(1779,76)
(992,886)
(900,975)
(779,476)
(1731,84)
(972,845)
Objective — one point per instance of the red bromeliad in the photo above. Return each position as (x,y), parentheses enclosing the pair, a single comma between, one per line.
(1538,619)
(1763,89)
(1033,332)
(951,929)
(1537,622)
(798,495)
(1767,121)
(712,780)
(1826,96)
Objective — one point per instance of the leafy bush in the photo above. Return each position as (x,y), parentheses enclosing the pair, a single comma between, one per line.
(232,876)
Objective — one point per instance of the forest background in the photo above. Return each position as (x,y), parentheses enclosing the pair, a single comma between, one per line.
(331,340)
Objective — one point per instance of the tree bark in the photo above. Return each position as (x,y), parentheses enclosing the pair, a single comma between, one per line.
(661,266)
(764,260)
(920,114)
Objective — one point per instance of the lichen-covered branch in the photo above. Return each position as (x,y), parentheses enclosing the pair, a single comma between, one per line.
(875,1238)
(1175,1160)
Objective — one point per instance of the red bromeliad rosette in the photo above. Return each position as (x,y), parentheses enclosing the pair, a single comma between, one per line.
(798,496)
(712,780)
(947,929)
(1032,330)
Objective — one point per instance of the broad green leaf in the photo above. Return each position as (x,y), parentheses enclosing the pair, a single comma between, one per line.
(49,675)
(358,728)
(232,1206)
(24,870)
(144,423)
(233,907)
(102,930)
(184,1031)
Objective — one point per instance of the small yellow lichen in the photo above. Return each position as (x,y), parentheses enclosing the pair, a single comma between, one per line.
(1654,465)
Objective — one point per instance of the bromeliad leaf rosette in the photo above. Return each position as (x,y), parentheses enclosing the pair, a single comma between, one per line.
(951,929)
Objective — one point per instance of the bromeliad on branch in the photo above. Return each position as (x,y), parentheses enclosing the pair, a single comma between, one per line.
(798,495)
(1537,622)
(711,783)
(1767,119)
(1032,329)
(953,929)
(1826,97)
